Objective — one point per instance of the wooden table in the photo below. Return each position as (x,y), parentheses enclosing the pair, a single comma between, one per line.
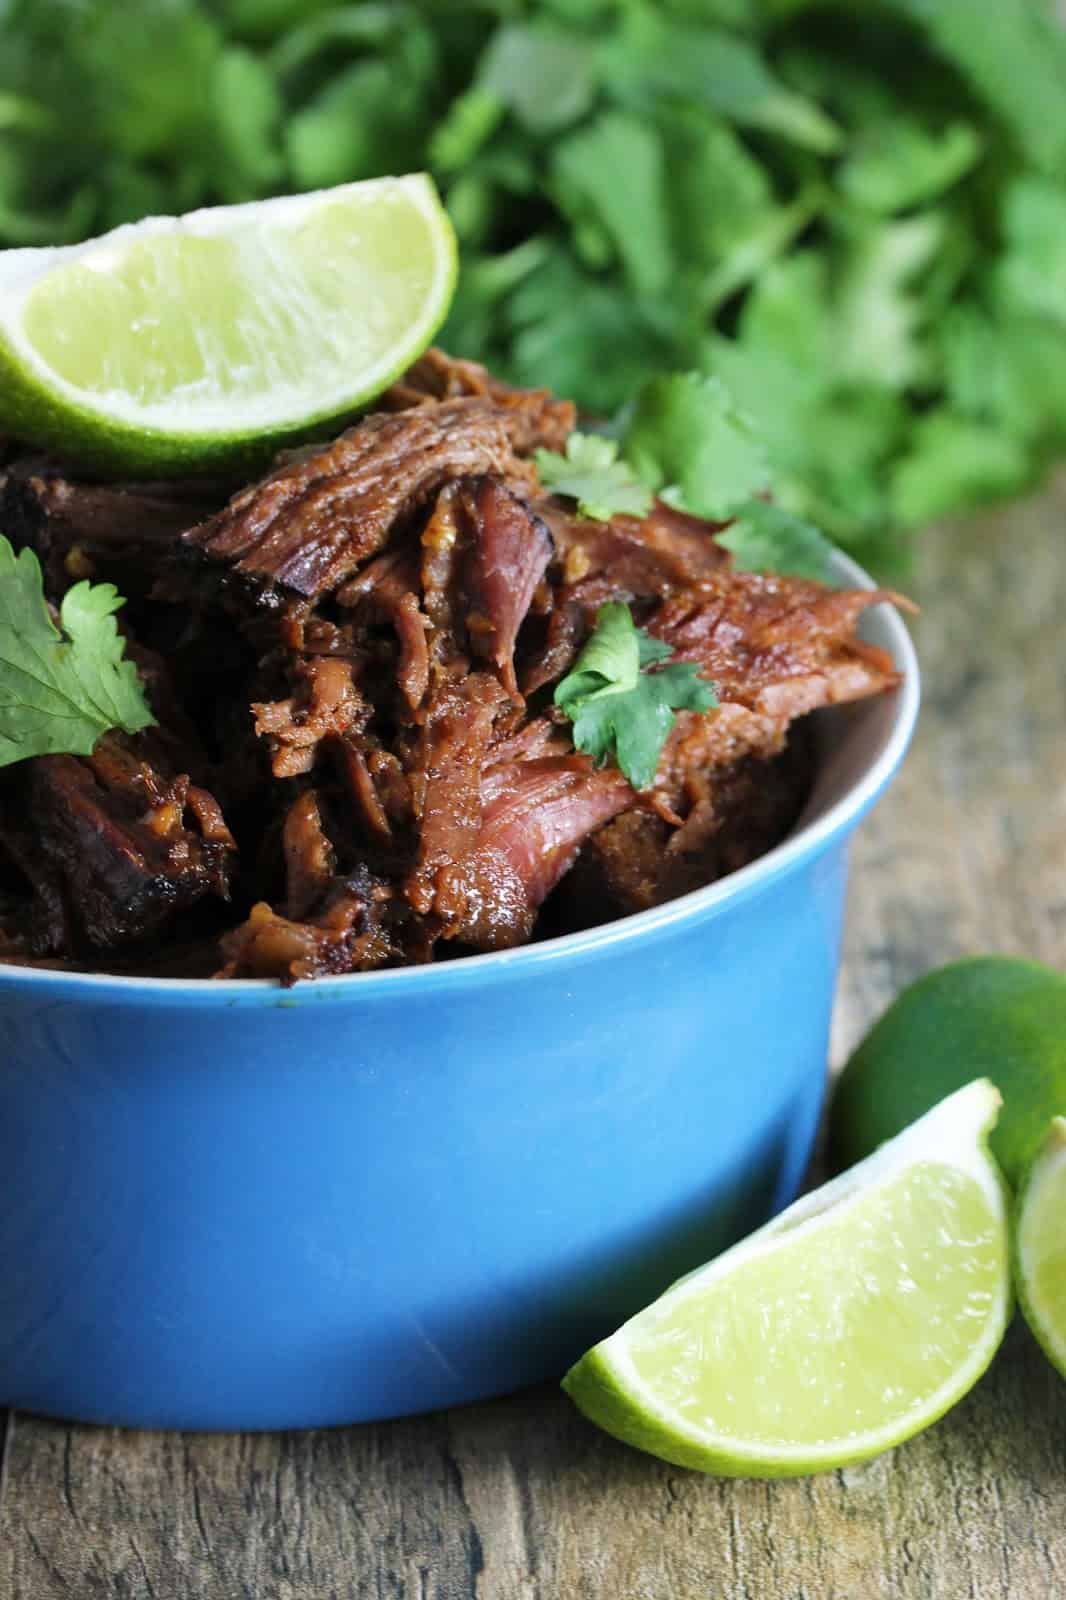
(520,1499)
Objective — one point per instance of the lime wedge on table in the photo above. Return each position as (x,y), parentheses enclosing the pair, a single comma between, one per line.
(1040,1246)
(847,1324)
(179,341)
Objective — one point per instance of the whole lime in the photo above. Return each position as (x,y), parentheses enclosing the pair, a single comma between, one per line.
(987,1017)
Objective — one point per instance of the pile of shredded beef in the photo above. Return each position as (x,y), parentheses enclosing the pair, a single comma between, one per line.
(356,762)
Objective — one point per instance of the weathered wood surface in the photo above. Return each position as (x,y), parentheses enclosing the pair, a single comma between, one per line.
(520,1499)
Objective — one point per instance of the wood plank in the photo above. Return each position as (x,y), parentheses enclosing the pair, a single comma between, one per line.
(521,1499)
(6,1429)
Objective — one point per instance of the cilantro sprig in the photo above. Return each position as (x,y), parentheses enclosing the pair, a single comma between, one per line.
(688,443)
(61,688)
(699,451)
(622,698)
(694,446)
(591,473)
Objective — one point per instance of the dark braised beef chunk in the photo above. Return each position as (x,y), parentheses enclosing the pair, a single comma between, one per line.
(507,556)
(666,551)
(345,936)
(640,860)
(535,418)
(115,845)
(534,817)
(356,656)
(121,533)
(776,648)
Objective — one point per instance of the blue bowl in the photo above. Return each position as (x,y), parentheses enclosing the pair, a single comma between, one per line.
(229,1205)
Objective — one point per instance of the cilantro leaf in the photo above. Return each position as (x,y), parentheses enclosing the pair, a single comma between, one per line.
(1016,62)
(542,73)
(559,321)
(955,462)
(632,215)
(1030,271)
(60,690)
(652,54)
(767,538)
(247,108)
(878,314)
(689,443)
(591,473)
(618,707)
(899,163)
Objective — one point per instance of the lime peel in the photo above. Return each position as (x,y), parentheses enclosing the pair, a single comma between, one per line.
(181,342)
(713,1348)
(1040,1246)
(985,1016)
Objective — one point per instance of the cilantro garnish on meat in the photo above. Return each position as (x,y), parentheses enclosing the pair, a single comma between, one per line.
(591,473)
(622,698)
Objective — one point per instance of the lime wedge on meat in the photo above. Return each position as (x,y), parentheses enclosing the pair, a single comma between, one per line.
(180,342)
(1040,1246)
(847,1324)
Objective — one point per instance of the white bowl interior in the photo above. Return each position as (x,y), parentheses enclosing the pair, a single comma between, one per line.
(855,742)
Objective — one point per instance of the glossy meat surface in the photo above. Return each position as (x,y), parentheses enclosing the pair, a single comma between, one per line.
(352,661)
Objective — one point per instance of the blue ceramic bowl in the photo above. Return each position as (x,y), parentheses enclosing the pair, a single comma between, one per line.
(229,1205)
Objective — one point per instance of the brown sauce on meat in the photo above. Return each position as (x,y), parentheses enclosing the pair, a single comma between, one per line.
(351,661)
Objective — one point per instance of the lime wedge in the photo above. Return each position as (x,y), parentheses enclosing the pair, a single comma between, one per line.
(1040,1246)
(847,1324)
(182,341)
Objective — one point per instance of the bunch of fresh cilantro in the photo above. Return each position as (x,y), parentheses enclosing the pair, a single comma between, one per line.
(853,213)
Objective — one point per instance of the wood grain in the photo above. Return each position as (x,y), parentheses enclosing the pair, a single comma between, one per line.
(520,1499)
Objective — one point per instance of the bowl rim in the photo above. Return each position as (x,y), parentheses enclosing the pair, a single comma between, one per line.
(808,840)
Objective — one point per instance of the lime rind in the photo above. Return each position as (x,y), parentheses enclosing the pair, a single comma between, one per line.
(607,1387)
(1040,1229)
(189,432)
(985,1016)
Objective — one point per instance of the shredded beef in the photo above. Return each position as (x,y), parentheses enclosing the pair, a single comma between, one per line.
(508,552)
(325,706)
(534,817)
(534,417)
(667,551)
(345,936)
(444,766)
(94,530)
(314,521)
(640,860)
(118,845)
(357,762)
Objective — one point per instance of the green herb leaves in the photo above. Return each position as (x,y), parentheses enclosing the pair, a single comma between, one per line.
(621,697)
(804,211)
(59,691)
(591,473)
(766,538)
(689,442)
